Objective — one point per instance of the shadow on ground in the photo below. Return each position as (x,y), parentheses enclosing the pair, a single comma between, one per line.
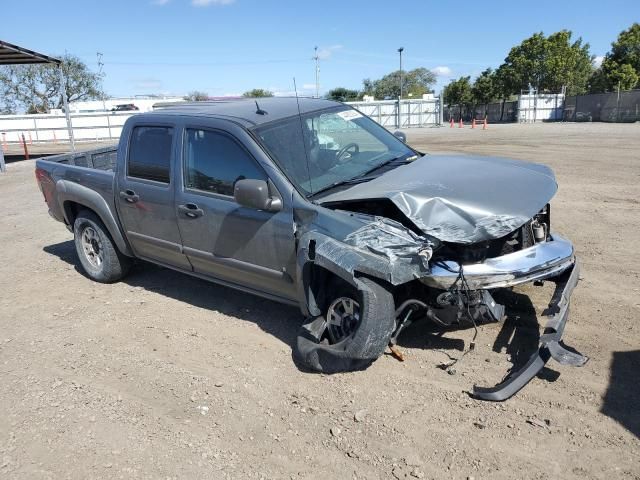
(518,337)
(281,321)
(622,400)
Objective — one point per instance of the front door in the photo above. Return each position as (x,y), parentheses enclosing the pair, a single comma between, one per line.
(222,239)
(145,196)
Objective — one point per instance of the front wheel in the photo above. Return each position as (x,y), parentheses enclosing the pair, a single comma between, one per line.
(99,257)
(354,331)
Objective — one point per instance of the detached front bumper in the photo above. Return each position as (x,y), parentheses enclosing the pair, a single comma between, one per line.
(550,342)
(553,261)
(539,262)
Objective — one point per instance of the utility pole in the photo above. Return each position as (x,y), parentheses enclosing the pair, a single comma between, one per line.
(400,50)
(100,65)
(317,59)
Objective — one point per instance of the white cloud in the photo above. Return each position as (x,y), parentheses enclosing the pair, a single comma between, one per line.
(207,3)
(597,61)
(160,2)
(324,53)
(442,71)
(309,86)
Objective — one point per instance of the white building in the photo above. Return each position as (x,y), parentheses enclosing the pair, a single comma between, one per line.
(143,102)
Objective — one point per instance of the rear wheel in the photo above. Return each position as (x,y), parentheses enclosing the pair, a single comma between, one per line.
(99,257)
(354,331)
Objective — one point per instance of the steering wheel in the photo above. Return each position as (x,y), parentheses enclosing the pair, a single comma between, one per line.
(344,150)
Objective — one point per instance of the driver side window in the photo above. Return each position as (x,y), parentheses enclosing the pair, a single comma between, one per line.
(215,161)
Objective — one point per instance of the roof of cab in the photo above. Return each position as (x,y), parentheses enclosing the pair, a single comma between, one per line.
(245,110)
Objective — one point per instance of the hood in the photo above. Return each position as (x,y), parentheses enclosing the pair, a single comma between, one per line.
(460,198)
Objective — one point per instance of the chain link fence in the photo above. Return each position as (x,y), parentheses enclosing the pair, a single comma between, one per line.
(599,107)
(495,112)
(603,107)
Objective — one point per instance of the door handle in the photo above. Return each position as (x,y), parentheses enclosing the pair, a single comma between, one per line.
(129,196)
(191,210)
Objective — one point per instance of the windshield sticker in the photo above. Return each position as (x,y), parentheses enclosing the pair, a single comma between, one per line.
(349,115)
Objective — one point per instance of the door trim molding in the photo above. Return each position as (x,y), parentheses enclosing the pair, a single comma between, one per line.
(238,264)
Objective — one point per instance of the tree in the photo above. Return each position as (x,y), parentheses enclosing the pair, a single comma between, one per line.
(36,88)
(548,64)
(484,88)
(415,83)
(626,49)
(621,66)
(257,93)
(196,96)
(341,94)
(622,77)
(458,92)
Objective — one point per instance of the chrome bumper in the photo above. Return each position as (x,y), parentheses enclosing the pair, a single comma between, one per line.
(541,261)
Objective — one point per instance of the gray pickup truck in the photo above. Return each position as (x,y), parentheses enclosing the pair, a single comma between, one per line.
(309,202)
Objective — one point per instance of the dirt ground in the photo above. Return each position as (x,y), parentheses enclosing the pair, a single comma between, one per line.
(166,376)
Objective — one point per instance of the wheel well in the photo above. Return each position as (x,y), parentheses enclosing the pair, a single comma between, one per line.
(321,283)
(71,210)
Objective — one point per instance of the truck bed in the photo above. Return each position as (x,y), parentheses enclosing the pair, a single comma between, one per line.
(103,158)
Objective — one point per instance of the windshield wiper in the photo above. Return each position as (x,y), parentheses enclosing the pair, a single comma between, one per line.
(364,177)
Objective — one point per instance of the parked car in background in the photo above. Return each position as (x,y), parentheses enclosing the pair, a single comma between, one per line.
(124,107)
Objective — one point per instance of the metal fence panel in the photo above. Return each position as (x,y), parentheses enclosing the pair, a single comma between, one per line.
(604,107)
(413,113)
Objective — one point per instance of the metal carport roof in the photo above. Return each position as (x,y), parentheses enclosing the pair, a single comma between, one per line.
(11,54)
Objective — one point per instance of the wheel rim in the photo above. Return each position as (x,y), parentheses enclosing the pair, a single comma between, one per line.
(343,317)
(92,247)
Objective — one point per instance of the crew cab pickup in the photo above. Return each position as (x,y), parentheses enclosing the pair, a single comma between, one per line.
(310,202)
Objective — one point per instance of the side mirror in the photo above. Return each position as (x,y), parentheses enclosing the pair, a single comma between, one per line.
(400,136)
(255,194)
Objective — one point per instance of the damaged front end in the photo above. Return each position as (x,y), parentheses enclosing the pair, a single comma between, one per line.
(441,249)
(436,281)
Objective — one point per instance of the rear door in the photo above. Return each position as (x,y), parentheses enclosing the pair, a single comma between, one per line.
(145,194)
(248,247)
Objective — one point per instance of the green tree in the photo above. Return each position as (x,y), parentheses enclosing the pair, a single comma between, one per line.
(36,88)
(548,64)
(619,76)
(484,88)
(196,96)
(626,49)
(341,94)
(415,83)
(621,66)
(458,92)
(257,93)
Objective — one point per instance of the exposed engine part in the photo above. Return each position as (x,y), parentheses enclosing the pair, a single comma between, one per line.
(539,231)
(464,307)
(403,317)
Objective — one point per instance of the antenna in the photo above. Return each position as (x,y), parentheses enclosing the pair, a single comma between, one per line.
(304,143)
(259,111)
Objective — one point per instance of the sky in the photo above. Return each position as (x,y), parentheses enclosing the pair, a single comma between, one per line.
(226,47)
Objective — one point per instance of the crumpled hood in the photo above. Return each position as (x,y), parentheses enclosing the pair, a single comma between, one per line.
(461,198)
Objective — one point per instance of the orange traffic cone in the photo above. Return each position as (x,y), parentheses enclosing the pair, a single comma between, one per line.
(473,123)
(460,125)
(451,122)
(484,125)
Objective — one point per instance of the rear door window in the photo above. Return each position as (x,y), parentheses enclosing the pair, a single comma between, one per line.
(150,153)
(214,162)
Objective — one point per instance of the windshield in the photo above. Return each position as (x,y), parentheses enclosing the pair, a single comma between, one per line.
(340,143)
